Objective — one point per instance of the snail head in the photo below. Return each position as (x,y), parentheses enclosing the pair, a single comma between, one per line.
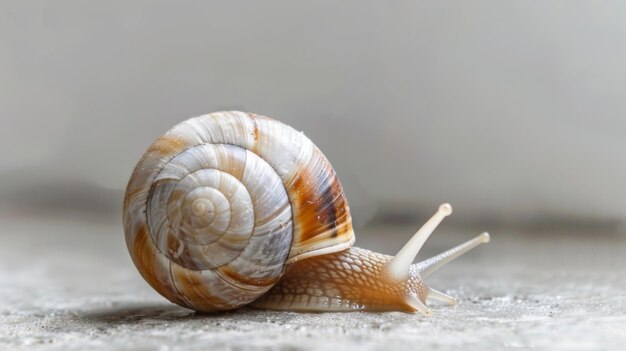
(401,269)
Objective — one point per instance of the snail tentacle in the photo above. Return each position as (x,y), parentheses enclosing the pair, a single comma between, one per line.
(427,267)
(440,296)
(418,305)
(398,267)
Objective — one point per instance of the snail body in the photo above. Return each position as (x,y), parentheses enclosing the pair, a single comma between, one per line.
(233,208)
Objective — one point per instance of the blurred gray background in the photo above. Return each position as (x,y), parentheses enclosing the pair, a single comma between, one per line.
(512,112)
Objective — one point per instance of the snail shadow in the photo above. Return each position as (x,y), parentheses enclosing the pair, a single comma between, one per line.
(145,313)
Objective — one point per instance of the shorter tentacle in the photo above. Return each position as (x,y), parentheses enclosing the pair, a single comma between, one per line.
(414,302)
(439,296)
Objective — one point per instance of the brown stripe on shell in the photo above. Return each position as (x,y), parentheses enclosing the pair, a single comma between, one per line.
(307,217)
(145,258)
(167,144)
(320,210)
(163,146)
(195,292)
(335,195)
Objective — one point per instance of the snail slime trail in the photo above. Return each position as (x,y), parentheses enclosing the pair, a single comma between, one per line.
(234,208)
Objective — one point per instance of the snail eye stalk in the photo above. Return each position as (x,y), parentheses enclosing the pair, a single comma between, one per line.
(398,268)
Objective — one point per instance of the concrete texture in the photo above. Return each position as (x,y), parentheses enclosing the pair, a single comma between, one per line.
(67,283)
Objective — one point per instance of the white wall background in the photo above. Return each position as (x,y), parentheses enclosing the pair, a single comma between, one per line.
(508,110)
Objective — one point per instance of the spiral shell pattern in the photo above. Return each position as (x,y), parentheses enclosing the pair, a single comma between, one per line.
(221,204)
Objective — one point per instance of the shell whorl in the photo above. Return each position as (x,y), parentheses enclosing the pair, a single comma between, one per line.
(219,205)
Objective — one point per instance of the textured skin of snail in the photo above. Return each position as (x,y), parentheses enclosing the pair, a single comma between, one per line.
(234,208)
(349,280)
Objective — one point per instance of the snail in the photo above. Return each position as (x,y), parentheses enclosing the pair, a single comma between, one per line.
(231,209)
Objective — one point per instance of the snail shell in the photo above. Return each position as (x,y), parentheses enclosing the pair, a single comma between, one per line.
(233,208)
(220,204)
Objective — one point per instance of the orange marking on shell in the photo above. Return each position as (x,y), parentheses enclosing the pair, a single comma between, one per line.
(197,293)
(144,258)
(136,186)
(167,144)
(319,213)
(131,193)
(253,118)
(163,145)
(307,216)
(341,209)
(256,131)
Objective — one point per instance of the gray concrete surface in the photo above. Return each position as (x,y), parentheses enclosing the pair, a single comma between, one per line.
(67,283)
